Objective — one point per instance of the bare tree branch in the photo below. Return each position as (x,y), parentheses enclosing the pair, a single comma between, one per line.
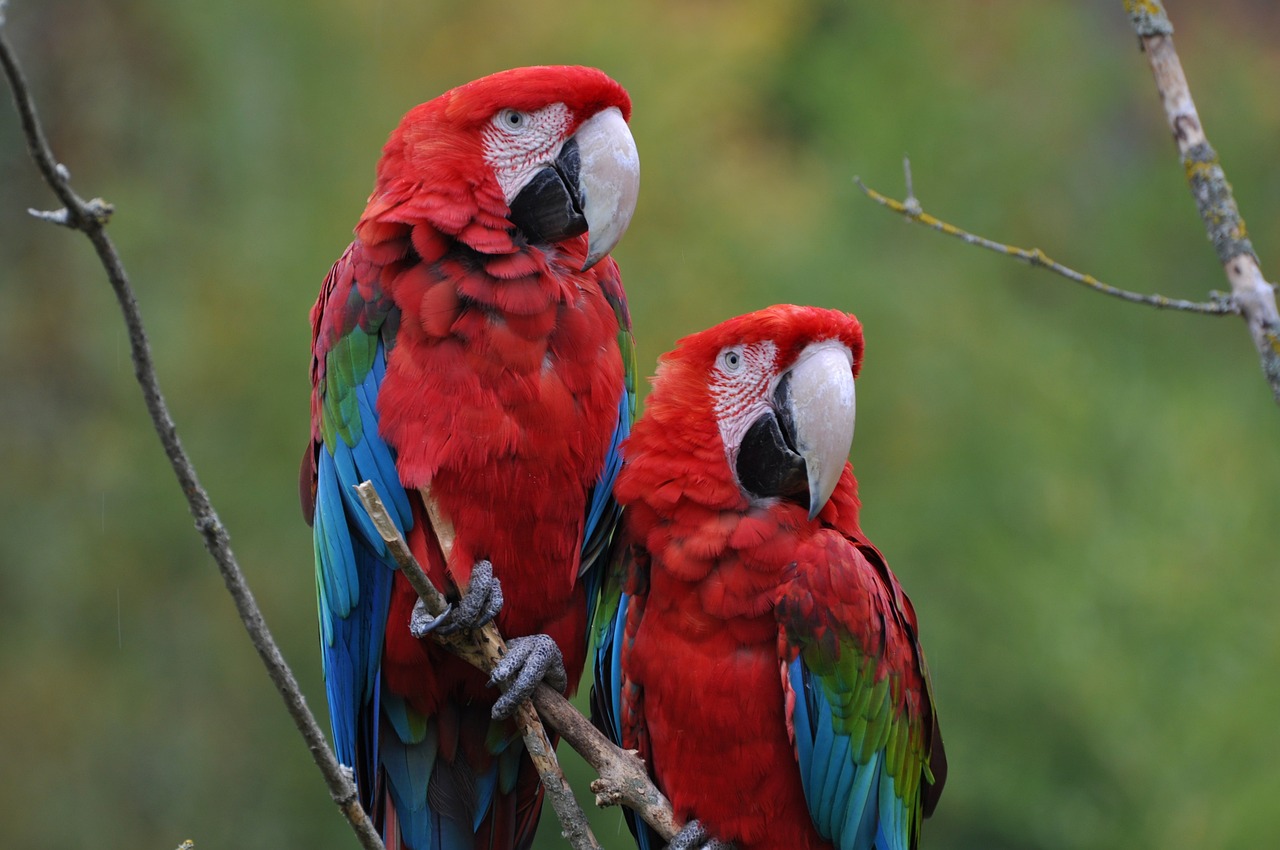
(911,210)
(1252,294)
(90,218)
(1252,297)
(623,779)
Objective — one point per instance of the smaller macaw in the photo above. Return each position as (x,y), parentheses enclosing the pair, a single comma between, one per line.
(762,657)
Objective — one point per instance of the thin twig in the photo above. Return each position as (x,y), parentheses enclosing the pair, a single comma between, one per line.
(1254,297)
(623,779)
(910,203)
(90,217)
(911,210)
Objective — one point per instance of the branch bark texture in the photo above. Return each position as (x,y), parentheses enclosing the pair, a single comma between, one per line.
(1252,294)
(90,218)
(1251,297)
(483,648)
(623,779)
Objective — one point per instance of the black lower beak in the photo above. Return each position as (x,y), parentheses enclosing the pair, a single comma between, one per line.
(768,464)
(549,208)
(798,449)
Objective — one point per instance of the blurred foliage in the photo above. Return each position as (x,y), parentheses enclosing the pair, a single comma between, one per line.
(1079,494)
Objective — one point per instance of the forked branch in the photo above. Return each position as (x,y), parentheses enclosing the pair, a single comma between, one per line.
(1252,297)
(911,210)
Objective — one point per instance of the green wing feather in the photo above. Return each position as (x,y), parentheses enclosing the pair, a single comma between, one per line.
(860,706)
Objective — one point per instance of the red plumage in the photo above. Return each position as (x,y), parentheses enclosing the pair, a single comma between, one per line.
(504,381)
(727,586)
(466,402)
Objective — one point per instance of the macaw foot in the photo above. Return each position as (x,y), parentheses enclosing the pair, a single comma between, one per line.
(529,660)
(694,836)
(479,604)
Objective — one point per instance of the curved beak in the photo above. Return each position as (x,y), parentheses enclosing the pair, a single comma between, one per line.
(798,449)
(610,179)
(823,405)
(590,188)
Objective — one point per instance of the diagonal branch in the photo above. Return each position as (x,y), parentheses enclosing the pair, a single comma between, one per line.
(622,775)
(484,648)
(623,778)
(1253,295)
(90,218)
(911,210)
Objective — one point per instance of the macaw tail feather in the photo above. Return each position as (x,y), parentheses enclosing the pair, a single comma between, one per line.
(454,781)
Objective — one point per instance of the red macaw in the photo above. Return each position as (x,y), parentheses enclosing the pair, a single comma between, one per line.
(472,357)
(763,659)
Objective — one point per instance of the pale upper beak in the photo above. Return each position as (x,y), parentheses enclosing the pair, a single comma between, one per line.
(798,447)
(610,180)
(823,405)
(591,187)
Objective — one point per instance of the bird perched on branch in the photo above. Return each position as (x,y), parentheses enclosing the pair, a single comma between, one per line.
(472,357)
(761,656)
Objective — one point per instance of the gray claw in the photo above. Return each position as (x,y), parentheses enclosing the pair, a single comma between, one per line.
(694,836)
(479,604)
(422,624)
(529,660)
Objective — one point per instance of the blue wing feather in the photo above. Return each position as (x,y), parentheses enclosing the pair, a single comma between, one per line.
(408,754)
(382,464)
(354,582)
(859,820)
(606,703)
(803,727)
(602,500)
(354,577)
(603,510)
(353,324)
(607,687)
(853,804)
(840,780)
(615,665)
(346,460)
(333,537)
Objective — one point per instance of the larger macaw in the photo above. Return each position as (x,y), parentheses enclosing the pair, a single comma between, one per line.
(763,659)
(472,357)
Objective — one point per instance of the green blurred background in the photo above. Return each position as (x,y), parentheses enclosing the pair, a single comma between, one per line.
(1079,494)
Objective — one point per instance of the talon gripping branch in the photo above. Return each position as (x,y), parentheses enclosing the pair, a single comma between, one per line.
(762,657)
(472,357)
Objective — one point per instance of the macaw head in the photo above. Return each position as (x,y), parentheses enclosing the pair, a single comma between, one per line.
(535,155)
(773,391)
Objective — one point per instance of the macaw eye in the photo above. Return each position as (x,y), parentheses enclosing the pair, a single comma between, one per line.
(511,119)
(731,359)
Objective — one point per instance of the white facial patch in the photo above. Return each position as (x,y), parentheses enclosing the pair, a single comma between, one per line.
(741,383)
(517,145)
